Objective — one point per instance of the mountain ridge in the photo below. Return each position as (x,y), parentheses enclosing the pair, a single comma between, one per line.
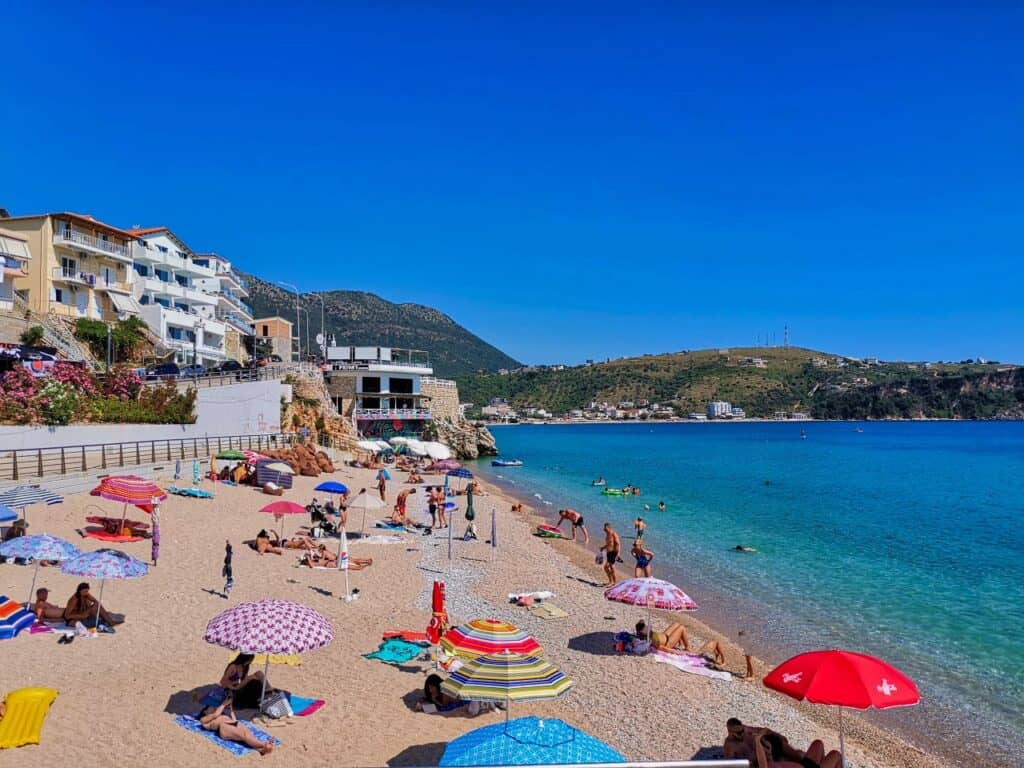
(362,318)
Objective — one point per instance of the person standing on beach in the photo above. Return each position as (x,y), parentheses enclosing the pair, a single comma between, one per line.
(440,499)
(576,521)
(611,548)
(400,505)
(643,559)
(155,549)
(226,571)
(382,485)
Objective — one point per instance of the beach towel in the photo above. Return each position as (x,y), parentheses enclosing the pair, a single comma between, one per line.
(695,665)
(389,525)
(383,538)
(547,611)
(93,532)
(407,635)
(235,748)
(515,597)
(13,618)
(23,720)
(195,493)
(395,650)
(303,707)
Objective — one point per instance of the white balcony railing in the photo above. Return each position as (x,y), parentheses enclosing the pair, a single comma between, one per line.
(68,235)
(392,413)
(64,275)
(438,382)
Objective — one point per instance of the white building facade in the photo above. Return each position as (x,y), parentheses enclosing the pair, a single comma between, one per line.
(719,409)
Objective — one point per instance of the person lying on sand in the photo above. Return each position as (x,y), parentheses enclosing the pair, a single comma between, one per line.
(266,543)
(765,748)
(414,477)
(82,607)
(44,610)
(221,720)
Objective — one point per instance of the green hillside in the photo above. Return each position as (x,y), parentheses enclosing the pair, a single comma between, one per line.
(358,318)
(793,379)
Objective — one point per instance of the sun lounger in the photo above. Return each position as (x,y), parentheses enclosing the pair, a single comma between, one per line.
(23,720)
(234,747)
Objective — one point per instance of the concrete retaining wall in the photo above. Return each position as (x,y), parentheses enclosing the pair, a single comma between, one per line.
(250,408)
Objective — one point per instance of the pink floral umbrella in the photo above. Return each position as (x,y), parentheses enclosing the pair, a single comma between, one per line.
(269,626)
(652,593)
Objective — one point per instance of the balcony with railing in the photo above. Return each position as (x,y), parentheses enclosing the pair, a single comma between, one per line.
(238,322)
(409,414)
(236,302)
(72,237)
(66,275)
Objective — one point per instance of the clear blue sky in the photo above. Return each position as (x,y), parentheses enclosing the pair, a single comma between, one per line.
(597,179)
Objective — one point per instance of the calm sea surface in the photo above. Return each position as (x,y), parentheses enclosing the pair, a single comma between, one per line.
(903,541)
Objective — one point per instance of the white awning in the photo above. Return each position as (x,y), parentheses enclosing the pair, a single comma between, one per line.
(125,303)
(18,249)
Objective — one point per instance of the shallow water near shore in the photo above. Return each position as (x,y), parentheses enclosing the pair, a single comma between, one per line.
(902,540)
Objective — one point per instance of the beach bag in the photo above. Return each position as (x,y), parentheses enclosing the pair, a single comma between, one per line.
(276,706)
(599,558)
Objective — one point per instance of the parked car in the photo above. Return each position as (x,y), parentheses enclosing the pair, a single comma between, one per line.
(228,366)
(193,370)
(163,371)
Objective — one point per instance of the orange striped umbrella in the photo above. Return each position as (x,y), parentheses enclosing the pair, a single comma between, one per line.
(130,489)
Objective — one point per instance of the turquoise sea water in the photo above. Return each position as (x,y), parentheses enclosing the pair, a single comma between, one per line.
(903,540)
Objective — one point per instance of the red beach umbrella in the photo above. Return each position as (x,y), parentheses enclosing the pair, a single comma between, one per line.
(281,508)
(439,621)
(843,679)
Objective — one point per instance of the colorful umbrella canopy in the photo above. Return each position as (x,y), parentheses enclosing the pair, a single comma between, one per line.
(506,677)
(488,636)
(129,489)
(331,486)
(269,626)
(231,454)
(651,593)
(528,741)
(40,547)
(251,457)
(459,472)
(26,495)
(281,508)
(105,564)
(843,679)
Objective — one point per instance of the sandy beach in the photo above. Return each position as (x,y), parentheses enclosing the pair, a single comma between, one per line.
(118,693)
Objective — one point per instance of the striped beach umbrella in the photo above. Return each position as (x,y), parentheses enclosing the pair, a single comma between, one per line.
(130,489)
(26,495)
(481,637)
(40,547)
(506,677)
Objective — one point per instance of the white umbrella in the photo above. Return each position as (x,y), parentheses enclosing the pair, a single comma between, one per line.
(365,501)
(416,448)
(398,440)
(368,445)
(383,445)
(438,451)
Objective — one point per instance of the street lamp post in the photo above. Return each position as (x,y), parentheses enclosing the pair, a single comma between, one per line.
(298,322)
(109,346)
(307,331)
(323,333)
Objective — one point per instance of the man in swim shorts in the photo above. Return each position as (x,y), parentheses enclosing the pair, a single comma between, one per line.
(611,547)
(576,520)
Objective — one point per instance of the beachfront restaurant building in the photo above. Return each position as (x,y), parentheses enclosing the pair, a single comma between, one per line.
(380,388)
(168,286)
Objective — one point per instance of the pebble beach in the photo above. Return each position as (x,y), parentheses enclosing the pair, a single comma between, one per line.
(118,694)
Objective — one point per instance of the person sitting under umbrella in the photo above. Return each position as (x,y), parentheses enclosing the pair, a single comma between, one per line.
(82,607)
(45,610)
(765,748)
(221,719)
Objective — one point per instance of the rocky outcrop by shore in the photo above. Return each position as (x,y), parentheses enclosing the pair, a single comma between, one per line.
(467,440)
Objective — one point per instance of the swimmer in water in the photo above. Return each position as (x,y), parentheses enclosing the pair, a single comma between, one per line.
(741,548)
(661,506)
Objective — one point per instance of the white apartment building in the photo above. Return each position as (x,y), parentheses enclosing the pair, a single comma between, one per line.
(230,291)
(169,287)
(719,409)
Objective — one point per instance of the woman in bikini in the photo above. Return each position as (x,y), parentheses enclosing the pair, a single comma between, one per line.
(221,720)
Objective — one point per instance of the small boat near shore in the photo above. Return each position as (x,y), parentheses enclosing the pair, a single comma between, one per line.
(506,463)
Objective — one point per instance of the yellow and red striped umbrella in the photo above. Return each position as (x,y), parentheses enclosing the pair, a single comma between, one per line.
(484,636)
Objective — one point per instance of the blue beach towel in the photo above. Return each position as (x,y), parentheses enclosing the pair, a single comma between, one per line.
(395,650)
(191,724)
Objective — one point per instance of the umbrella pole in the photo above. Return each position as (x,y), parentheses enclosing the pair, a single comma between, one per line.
(343,542)
(263,690)
(99,603)
(842,743)
(124,516)
(450,547)
(32,589)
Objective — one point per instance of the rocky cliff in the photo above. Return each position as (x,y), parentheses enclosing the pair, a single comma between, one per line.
(468,441)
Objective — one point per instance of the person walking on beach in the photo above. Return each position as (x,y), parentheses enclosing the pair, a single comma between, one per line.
(382,484)
(611,548)
(575,521)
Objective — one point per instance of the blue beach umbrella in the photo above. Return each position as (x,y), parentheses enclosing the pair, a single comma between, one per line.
(27,495)
(460,472)
(331,486)
(528,741)
(40,547)
(7,514)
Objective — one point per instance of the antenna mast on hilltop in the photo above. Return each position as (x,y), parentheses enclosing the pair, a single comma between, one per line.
(785,336)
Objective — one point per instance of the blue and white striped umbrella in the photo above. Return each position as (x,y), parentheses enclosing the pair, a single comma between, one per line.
(7,514)
(39,547)
(26,495)
(528,741)
(460,472)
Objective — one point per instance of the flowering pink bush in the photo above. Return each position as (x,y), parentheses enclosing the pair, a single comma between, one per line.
(122,383)
(77,376)
(18,396)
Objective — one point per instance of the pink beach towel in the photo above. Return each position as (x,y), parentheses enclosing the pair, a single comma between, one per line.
(687,662)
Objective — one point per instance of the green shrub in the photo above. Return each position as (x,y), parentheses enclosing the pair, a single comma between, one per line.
(58,402)
(32,336)
(124,336)
(162,404)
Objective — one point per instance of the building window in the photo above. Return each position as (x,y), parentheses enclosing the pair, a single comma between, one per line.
(371,403)
(371,384)
(162,248)
(401,386)
(141,269)
(58,295)
(144,299)
(266,330)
